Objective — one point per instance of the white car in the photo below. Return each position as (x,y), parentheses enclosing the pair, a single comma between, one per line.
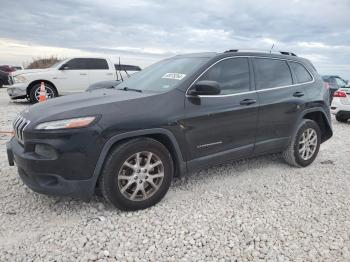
(341,104)
(66,77)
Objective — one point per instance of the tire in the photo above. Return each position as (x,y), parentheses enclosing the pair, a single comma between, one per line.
(1,84)
(341,119)
(51,92)
(294,154)
(119,191)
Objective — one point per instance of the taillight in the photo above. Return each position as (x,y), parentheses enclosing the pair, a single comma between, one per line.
(339,94)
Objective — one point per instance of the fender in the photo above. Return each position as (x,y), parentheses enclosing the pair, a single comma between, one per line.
(316,109)
(179,161)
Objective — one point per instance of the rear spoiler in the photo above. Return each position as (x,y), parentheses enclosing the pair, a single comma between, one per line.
(120,67)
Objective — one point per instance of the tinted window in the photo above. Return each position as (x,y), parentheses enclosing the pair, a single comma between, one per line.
(340,82)
(232,74)
(76,64)
(272,73)
(95,63)
(301,74)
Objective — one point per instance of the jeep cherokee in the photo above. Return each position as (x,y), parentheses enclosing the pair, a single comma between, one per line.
(178,115)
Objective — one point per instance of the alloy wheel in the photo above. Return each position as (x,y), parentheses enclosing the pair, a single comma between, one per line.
(308,144)
(140,176)
(49,93)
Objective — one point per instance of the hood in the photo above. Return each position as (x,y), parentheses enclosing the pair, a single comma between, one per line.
(83,104)
(30,71)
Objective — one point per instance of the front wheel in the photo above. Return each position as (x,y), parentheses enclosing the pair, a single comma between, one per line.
(304,145)
(137,174)
(34,92)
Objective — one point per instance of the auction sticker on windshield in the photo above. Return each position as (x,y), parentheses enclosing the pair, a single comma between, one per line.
(175,76)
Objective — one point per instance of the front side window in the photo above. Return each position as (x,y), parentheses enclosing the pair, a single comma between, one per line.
(76,64)
(232,74)
(272,73)
(301,74)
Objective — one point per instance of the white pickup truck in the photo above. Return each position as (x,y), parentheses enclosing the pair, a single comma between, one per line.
(66,77)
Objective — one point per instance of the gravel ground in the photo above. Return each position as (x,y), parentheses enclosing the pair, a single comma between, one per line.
(251,210)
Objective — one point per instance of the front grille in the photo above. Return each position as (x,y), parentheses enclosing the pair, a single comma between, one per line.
(18,126)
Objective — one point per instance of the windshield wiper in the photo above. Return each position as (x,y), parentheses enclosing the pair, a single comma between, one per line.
(130,89)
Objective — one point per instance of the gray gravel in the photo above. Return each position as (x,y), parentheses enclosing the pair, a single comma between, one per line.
(251,210)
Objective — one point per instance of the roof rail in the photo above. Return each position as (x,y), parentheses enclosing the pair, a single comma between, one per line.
(287,53)
(261,51)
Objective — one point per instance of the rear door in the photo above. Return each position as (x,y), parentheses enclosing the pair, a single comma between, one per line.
(222,127)
(281,102)
(99,70)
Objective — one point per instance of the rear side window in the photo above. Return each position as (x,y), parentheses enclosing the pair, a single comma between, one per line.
(301,74)
(232,74)
(96,64)
(272,73)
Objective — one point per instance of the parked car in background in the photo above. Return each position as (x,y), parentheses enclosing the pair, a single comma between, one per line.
(5,70)
(123,72)
(65,77)
(3,78)
(341,104)
(183,113)
(334,83)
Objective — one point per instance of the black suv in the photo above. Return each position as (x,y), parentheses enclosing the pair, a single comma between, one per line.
(178,115)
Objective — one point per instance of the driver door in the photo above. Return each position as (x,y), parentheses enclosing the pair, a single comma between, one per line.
(73,77)
(222,127)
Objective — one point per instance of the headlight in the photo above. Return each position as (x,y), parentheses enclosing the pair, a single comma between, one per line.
(19,79)
(66,123)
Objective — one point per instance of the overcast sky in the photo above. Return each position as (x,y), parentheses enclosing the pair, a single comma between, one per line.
(143,32)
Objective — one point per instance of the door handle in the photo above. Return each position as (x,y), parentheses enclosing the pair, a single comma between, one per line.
(83,74)
(247,102)
(109,74)
(298,94)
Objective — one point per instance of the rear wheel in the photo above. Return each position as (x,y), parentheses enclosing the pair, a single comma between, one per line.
(341,119)
(304,145)
(137,174)
(34,92)
(1,84)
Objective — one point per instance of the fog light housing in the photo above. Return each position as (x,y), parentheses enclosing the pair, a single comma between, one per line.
(45,151)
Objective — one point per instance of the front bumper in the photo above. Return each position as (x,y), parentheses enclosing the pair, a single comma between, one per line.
(17,90)
(60,172)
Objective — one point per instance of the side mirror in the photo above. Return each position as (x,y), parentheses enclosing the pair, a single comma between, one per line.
(64,67)
(205,88)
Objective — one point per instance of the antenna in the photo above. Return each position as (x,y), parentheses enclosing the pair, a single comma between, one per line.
(273,45)
(120,71)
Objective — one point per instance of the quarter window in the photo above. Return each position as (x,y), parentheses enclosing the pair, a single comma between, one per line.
(301,74)
(272,73)
(232,74)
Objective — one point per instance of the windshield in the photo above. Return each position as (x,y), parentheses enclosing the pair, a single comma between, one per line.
(164,75)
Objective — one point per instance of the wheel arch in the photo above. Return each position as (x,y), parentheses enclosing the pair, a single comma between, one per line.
(320,117)
(163,136)
(33,83)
